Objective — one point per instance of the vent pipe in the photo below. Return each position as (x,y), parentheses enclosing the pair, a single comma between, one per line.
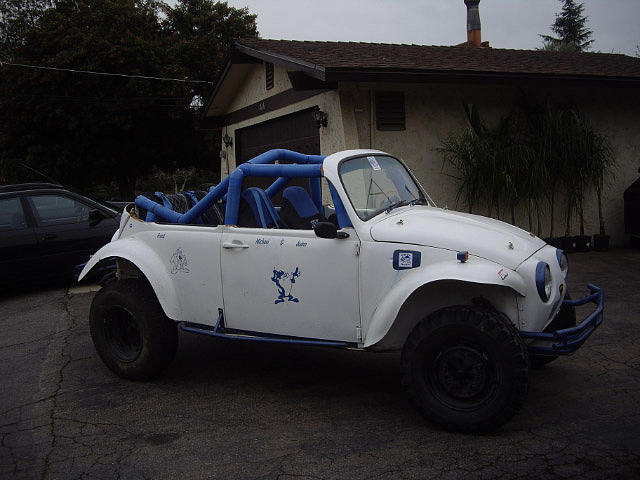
(474,36)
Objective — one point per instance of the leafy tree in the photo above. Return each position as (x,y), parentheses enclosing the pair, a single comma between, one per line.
(571,29)
(201,32)
(86,129)
(17,17)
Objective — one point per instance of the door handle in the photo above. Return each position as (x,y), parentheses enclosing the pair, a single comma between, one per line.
(234,245)
(49,236)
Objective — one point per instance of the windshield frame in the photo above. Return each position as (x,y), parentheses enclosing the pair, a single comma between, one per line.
(421,191)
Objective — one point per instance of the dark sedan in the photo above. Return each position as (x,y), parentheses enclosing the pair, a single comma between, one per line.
(46,230)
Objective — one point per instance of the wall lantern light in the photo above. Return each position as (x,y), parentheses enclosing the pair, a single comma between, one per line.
(227,140)
(320,117)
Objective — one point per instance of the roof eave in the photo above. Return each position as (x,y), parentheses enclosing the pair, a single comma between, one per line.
(427,76)
(313,70)
(234,57)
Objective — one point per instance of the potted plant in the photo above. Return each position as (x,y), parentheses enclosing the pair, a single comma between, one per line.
(603,162)
(586,139)
(567,142)
(472,153)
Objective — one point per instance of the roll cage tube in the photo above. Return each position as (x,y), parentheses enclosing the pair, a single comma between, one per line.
(308,166)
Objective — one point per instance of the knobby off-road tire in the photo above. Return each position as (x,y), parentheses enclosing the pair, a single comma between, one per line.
(566,318)
(130,332)
(466,368)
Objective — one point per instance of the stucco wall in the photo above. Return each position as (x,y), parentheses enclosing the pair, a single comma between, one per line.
(331,137)
(254,87)
(432,111)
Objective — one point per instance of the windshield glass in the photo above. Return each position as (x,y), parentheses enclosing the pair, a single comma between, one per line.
(376,183)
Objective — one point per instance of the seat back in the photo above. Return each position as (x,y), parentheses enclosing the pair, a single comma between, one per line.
(298,210)
(256,210)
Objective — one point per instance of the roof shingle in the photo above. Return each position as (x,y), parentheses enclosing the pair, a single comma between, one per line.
(330,56)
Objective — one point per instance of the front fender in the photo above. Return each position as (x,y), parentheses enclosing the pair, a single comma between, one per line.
(148,262)
(475,270)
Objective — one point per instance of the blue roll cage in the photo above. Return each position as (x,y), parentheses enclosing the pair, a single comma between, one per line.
(229,190)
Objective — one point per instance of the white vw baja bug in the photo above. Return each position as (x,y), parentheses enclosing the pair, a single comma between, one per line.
(471,302)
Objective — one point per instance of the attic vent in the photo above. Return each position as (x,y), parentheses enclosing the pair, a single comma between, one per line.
(390,111)
(268,68)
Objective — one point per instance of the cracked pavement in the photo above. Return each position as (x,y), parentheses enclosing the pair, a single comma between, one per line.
(240,410)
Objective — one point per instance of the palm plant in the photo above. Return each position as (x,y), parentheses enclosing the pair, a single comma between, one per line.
(535,152)
(602,163)
(461,150)
(470,152)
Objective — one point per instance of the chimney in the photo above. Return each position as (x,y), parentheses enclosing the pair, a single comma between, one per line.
(474,36)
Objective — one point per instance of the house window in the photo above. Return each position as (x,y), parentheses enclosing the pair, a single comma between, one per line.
(390,113)
(268,69)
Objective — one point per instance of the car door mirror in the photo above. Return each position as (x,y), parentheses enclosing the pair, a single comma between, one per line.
(328,230)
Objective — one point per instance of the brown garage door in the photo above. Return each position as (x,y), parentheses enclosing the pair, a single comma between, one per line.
(298,132)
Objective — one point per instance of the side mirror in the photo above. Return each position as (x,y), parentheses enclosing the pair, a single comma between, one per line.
(328,230)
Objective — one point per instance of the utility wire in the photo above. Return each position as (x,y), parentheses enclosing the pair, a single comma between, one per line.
(144,77)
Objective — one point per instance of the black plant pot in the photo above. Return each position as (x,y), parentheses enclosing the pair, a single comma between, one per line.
(583,243)
(568,244)
(601,243)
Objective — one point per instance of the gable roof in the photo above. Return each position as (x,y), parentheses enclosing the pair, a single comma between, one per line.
(320,65)
(330,61)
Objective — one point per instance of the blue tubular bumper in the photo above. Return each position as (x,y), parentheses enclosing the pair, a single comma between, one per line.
(568,340)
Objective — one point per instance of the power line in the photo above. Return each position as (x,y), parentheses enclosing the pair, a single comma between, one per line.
(144,77)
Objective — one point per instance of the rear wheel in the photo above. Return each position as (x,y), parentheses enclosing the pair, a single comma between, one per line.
(130,332)
(466,368)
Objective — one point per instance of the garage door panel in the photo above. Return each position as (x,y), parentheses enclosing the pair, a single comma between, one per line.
(298,132)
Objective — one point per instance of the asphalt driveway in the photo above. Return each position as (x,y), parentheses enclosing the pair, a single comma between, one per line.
(234,410)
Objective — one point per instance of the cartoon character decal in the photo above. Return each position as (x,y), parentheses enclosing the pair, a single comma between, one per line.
(278,278)
(179,262)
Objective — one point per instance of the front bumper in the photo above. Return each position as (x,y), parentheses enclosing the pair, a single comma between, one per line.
(568,340)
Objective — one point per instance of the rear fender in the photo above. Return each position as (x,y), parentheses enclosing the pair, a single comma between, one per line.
(457,281)
(148,262)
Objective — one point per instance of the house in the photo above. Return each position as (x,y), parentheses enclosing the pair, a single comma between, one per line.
(321,97)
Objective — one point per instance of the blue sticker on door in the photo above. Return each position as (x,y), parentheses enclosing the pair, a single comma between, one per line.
(284,280)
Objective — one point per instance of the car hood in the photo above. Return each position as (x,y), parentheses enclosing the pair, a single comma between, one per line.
(481,236)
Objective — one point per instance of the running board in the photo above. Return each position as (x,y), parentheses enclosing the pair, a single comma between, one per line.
(220,331)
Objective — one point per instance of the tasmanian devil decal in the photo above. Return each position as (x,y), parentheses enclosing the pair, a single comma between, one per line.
(179,262)
(280,277)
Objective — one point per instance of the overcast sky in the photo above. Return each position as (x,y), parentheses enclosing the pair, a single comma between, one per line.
(505,23)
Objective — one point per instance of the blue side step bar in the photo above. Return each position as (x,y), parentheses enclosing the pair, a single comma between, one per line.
(568,340)
(220,331)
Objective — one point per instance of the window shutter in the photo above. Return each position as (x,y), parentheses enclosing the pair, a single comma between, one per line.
(268,68)
(390,113)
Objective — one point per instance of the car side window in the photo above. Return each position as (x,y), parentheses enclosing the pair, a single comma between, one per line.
(58,210)
(11,215)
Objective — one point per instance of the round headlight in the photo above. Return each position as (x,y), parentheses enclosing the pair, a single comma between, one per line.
(543,281)
(562,260)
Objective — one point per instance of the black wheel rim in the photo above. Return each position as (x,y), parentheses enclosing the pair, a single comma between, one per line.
(122,334)
(461,375)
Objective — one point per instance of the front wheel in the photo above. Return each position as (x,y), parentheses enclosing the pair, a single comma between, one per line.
(130,332)
(466,368)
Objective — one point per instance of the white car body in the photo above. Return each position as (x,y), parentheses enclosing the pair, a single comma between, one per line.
(293,283)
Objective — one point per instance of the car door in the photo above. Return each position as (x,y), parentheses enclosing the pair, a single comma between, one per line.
(66,234)
(18,243)
(290,282)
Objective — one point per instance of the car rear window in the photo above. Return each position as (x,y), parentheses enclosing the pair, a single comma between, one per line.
(11,215)
(58,210)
